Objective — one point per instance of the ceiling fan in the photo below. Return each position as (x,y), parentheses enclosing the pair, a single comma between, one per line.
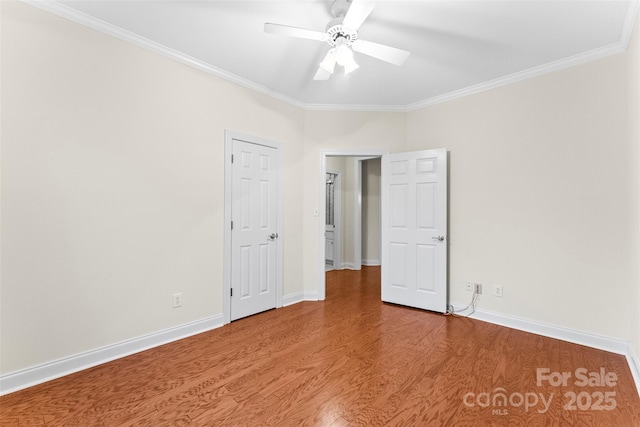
(342,35)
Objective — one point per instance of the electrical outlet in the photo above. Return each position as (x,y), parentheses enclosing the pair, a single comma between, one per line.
(478,288)
(468,286)
(497,291)
(177,300)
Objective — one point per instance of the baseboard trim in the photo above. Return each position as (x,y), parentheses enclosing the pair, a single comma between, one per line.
(292,299)
(299,297)
(371,262)
(19,380)
(347,266)
(29,377)
(634,366)
(551,331)
(311,296)
(565,334)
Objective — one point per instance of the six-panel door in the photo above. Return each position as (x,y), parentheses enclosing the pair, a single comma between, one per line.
(254,234)
(414,228)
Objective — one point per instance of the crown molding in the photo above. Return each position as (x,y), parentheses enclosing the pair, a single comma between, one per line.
(96,24)
(629,23)
(104,27)
(591,55)
(550,67)
(357,108)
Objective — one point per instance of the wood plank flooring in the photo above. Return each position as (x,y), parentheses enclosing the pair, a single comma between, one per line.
(350,360)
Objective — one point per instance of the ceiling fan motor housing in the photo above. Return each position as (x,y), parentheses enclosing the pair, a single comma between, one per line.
(336,32)
(342,35)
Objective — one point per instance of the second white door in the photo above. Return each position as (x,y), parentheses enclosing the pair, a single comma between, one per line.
(254,232)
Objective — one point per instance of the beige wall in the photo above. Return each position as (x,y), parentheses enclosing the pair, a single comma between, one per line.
(633,81)
(112,178)
(112,187)
(371,211)
(543,177)
(348,212)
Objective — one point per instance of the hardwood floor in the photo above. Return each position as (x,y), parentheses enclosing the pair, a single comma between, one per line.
(350,360)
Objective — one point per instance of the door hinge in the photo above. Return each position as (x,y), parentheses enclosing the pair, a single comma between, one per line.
(231,291)
(232,225)
(232,158)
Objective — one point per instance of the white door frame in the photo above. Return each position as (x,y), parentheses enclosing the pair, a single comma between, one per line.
(229,136)
(362,155)
(337,218)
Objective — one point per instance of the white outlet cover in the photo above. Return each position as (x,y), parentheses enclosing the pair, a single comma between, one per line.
(176,300)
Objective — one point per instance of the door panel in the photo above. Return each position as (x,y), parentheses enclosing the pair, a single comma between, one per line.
(414,227)
(398,262)
(253,238)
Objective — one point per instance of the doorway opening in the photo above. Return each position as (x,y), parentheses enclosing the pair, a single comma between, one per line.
(359,242)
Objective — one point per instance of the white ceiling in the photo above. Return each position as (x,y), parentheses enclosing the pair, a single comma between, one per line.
(457,47)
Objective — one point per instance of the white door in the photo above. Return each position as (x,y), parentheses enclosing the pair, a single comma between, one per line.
(254,232)
(414,229)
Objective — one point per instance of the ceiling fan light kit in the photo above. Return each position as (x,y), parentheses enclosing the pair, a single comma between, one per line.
(342,35)
(349,64)
(342,55)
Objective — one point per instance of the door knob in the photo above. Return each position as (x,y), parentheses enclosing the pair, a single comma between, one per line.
(273,236)
(438,238)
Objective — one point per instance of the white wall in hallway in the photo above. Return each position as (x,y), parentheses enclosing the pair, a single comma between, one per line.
(371,211)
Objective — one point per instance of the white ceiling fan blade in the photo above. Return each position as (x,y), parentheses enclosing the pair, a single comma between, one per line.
(301,33)
(357,13)
(322,74)
(385,53)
